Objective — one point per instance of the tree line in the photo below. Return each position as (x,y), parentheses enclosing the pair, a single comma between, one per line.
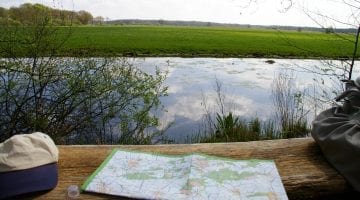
(27,14)
(155,22)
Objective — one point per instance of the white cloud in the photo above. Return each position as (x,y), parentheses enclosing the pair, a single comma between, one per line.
(191,107)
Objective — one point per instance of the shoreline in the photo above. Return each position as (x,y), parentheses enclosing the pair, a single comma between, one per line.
(184,55)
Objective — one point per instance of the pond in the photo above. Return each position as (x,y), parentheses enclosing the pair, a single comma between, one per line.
(245,85)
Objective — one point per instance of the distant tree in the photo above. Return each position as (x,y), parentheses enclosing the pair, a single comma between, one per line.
(28,13)
(161,21)
(84,17)
(3,12)
(63,17)
(329,30)
(14,14)
(98,20)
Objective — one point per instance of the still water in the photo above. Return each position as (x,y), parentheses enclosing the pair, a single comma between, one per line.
(246,86)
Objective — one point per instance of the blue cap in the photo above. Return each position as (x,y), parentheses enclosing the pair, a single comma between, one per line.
(35,179)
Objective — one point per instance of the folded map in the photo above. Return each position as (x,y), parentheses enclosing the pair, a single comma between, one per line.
(196,176)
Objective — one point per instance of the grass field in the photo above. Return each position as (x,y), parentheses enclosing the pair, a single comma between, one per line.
(203,41)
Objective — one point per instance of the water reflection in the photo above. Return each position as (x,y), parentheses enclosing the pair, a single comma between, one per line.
(246,85)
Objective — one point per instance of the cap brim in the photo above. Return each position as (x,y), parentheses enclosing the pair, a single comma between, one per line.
(29,180)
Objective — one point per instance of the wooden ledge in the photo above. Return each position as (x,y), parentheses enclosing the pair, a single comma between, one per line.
(304,171)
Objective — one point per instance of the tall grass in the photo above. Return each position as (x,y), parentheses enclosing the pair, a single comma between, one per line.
(290,120)
(229,128)
(289,106)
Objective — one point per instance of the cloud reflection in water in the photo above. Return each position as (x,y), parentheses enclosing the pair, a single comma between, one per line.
(246,85)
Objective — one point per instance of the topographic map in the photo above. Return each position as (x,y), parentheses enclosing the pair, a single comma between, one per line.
(195,176)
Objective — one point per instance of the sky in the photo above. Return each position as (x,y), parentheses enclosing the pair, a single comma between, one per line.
(260,12)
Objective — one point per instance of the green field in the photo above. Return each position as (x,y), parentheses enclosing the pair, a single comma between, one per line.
(203,41)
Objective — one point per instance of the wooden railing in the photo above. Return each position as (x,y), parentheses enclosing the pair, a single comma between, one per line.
(303,170)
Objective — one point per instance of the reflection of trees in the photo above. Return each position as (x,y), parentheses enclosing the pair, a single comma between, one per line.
(78,100)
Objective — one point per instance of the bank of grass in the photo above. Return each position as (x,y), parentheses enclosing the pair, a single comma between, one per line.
(203,41)
(229,128)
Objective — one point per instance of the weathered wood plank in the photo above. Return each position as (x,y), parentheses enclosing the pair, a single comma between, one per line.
(303,170)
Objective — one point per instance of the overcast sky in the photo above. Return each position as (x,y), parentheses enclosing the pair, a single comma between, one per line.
(264,12)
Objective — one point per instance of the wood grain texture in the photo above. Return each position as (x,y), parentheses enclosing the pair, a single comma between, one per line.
(303,170)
